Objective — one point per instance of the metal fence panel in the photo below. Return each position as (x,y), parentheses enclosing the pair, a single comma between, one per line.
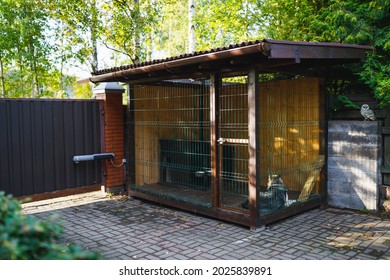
(38,139)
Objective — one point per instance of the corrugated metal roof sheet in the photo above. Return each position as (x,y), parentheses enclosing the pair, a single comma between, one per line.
(215,50)
(271,54)
(186,55)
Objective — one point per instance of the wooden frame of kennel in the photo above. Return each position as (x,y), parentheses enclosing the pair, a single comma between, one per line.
(251,59)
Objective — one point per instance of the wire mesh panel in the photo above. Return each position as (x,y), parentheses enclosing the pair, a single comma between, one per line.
(233,143)
(172,141)
(290,135)
(173,158)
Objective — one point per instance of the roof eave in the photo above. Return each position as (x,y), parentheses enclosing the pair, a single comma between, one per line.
(271,50)
(181,62)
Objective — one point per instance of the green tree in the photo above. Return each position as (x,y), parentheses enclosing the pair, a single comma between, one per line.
(7,40)
(33,23)
(217,23)
(352,21)
(220,22)
(130,27)
(171,33)
(23,44)
(78,30)
(40,35)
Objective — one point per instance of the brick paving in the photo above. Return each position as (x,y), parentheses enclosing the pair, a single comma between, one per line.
(122,229)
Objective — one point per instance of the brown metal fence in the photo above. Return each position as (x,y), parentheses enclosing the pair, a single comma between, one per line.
(38,139)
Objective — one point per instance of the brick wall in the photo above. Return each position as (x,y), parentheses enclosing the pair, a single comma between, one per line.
(114,139)
(354,160)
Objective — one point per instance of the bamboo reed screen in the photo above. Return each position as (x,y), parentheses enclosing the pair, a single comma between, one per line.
(290,137)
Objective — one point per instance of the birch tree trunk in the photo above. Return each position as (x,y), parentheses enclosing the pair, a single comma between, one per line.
(3,93)
(137,35)
(191,26)
(94,35)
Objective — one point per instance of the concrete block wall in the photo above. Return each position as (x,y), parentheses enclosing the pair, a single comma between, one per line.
(354,160)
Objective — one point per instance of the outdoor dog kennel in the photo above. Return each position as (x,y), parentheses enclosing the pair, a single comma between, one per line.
(208,134)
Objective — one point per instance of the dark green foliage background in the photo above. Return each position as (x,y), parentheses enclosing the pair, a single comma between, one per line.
(24,237)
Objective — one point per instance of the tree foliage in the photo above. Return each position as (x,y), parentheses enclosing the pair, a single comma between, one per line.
(129,27)
(220,23)
(24,237)
(41,39)
(78,28)
(352,22)
(23,46)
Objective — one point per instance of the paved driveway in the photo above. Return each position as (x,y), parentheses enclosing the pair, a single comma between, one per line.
(120,228)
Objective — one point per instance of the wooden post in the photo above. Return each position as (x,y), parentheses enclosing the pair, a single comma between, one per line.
(386,148)
(324,118)
(130,132)
(215,87)
(253,146)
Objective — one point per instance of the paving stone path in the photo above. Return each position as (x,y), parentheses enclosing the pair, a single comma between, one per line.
(121,228)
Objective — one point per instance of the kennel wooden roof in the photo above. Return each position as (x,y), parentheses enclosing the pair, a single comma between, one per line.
(268,56)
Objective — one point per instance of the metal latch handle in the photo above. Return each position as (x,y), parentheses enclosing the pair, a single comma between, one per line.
(221,140)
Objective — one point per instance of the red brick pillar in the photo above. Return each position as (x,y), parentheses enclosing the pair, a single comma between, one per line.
(114,173)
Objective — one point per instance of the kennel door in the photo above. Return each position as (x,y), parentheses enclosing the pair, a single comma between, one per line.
(233,146)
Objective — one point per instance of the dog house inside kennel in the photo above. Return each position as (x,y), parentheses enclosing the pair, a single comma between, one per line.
(210,134)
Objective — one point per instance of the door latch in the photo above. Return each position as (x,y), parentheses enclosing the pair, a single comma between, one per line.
(221,140)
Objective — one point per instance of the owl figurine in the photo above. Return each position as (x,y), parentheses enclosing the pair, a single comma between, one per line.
(367,113)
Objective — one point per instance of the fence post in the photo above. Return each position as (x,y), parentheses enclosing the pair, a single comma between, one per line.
(113,142)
